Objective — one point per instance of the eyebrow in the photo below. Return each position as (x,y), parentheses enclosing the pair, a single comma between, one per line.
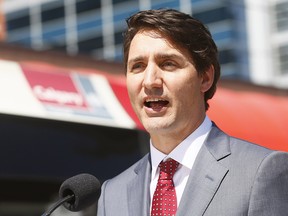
(169,56)
(158,56)
(136,59)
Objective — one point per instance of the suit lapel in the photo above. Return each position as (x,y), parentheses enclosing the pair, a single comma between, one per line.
(138,189)
(206,175)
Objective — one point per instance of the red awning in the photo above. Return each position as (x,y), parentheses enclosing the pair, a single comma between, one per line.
(257,117)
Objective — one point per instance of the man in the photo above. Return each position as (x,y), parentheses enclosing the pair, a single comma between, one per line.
(172,71)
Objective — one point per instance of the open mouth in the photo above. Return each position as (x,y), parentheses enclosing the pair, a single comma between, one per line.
(156,104)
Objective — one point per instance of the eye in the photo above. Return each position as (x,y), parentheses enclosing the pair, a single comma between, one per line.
(169,65)
(137,67)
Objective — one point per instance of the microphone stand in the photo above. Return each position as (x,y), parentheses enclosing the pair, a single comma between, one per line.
(57,204)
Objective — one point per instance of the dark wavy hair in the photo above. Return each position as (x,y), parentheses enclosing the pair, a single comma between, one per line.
(182,30)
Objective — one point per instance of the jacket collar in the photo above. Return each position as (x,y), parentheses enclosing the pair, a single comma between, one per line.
(138,189)
(206,175)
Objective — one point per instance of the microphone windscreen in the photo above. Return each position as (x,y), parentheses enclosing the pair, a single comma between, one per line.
(84,187)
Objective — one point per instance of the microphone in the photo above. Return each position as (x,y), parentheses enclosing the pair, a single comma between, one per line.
(77,193)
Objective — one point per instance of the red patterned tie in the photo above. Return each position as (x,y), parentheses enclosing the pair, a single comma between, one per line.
(164,202)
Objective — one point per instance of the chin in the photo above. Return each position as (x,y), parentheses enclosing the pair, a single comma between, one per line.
(157,126)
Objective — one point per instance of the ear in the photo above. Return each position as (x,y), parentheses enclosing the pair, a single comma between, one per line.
(207,79)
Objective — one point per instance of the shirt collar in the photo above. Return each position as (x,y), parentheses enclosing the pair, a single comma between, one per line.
(186,152)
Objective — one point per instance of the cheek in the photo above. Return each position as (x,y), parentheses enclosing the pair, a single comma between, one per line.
(132,88)
(134,81)
(188,92)
(129,83)
(129,86)
(131,93)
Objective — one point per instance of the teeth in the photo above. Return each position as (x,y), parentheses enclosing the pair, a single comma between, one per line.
(154,100)
(155,103)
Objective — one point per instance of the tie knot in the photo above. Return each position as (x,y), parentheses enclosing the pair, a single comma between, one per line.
(168,169)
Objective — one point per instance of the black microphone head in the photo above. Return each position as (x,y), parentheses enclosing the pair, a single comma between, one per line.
(84,187)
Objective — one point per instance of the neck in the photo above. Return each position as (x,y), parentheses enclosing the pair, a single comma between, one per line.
(170,139)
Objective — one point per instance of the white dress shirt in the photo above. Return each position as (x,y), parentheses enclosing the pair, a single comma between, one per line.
(185,153)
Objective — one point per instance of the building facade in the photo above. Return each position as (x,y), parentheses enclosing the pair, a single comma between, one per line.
(268,41)
(94,27)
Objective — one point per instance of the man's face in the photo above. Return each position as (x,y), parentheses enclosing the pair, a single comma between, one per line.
(165,90)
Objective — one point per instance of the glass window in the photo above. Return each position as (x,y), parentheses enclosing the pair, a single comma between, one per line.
(88,45)
(54,33)
(52,14)
(223,35)
(282,16)
(26,42)
(165,4)
(87,5)
(119,1)
(226,56)
(283,58)
(18,21)
(118,37)
(213,15)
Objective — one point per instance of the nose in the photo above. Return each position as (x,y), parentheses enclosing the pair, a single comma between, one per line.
(152,77)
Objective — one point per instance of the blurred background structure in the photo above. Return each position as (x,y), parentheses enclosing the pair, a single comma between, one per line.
(64,108)
(251,35)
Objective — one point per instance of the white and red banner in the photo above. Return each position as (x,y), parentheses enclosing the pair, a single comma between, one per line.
(45,91)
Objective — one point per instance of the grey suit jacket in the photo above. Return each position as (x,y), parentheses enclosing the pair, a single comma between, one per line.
(230,177)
